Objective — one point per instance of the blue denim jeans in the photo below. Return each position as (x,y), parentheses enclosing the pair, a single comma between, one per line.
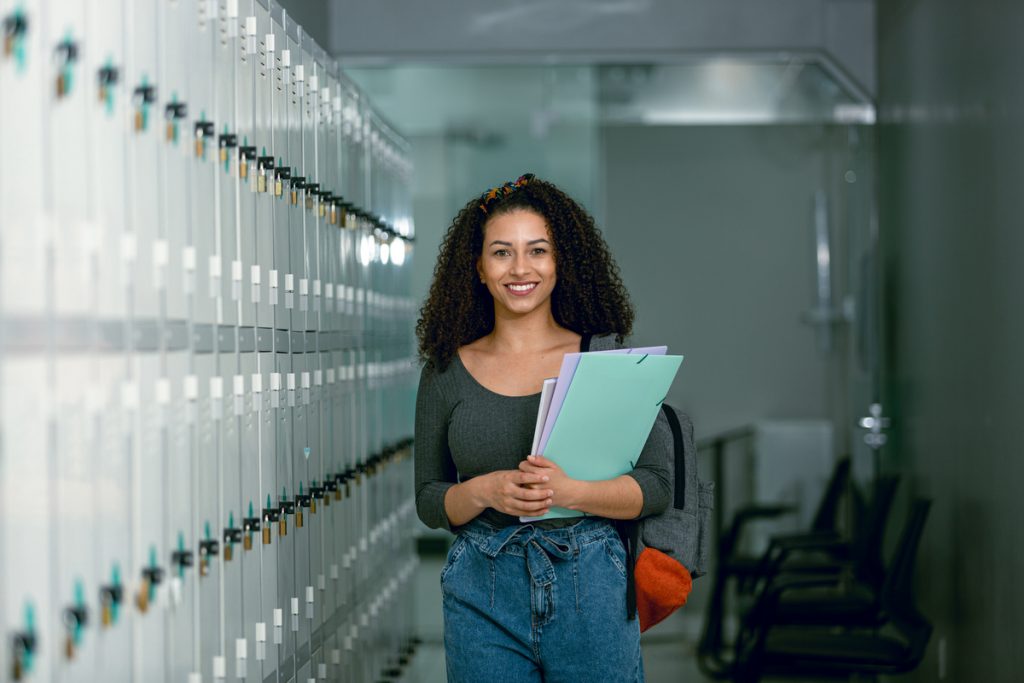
(523,604)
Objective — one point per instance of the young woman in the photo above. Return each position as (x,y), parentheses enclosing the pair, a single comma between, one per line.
(523,277)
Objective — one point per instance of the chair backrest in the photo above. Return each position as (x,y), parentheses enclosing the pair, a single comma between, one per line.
(825,516)
(870,532)
(898,590)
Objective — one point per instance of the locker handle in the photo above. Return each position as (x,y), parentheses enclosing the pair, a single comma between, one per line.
(108,76)
(67,51)
(204,129)
(145,94)
(228,140)
(175,111)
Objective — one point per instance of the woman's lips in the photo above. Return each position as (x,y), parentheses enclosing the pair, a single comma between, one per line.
(521,288)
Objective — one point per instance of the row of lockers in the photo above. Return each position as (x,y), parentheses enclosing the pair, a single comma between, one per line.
(206,370)
(157,151)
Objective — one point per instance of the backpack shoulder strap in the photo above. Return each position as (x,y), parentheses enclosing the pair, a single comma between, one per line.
(679,460)
(585,342)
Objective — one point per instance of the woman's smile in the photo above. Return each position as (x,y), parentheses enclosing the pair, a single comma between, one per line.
(521,288)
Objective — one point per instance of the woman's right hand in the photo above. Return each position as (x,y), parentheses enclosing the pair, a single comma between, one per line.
(508,491)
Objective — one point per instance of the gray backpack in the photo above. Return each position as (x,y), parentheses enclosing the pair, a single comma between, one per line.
(668,550)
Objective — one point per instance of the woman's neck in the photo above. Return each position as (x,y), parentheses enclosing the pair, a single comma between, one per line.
(526,333)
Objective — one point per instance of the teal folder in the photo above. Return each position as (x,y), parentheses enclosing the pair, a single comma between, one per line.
(607,416)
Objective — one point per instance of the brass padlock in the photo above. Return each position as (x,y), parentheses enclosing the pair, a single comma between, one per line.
(266,535)
(247,542)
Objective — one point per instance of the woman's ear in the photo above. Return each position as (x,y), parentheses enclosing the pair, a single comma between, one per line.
(480,269)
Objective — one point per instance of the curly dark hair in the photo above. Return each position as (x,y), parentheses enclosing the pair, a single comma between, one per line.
(588,298)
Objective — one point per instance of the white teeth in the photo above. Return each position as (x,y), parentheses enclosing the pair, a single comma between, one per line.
(521,288)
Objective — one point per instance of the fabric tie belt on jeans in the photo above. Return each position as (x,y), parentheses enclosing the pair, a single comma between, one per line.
(540,547)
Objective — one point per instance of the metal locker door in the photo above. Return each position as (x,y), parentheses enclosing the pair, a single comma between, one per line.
(174,23)
(299,481)
(114,521)
(301,159)
(315,466)
(24,226)
(206,508)
(228,70)
(311,225)
(261,483)
(184,429)
(146,401)
(28,454)
(284,528)
(75,523)
(68,159)
(288,174)
(247,471)
(202,244)
(108,118)
(227,529)
(266,160)
(247,172)
(141,246)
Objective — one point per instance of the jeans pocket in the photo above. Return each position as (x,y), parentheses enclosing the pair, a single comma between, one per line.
(617,553)
(454,553)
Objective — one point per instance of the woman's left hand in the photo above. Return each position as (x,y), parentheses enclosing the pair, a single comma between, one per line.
(565,488)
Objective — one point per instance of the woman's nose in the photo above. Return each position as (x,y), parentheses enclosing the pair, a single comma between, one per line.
(520,264)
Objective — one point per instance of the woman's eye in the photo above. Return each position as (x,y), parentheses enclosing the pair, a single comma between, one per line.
(501,252)
(540,250)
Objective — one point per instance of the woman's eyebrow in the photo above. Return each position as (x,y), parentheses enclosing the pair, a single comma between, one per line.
(509,244)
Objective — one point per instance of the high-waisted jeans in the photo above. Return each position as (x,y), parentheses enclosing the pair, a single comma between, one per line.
(523,604)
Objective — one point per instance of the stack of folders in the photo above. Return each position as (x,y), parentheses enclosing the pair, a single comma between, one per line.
(594,419)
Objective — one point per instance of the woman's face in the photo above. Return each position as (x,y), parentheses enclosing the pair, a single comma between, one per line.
(518,262)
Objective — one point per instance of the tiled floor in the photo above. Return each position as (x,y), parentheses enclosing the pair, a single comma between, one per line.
(667,649)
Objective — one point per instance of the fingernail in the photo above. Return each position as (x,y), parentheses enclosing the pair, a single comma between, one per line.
(546,478)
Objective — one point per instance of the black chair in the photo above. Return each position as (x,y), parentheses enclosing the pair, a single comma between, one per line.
(841,649)
(734,566)
(856,569)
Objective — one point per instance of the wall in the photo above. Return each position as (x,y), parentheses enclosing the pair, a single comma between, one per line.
(950,164)
(712,228)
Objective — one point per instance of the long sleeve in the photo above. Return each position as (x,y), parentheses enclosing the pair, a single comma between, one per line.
(652,471)
(435,470)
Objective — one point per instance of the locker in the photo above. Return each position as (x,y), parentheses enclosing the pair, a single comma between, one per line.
(185,427)
(245,163)
(141,248)
(263,179)
(267,554)
(231,510)
(227,68)
(28,453)
(281,459)
(174,24)
(156,590)
(112,617)
(301,153)
(25,226)
(299,402)
(259,562)
(201,53)
(284,112)
(107,107)
(69,157)
(75,461)
(205,510)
